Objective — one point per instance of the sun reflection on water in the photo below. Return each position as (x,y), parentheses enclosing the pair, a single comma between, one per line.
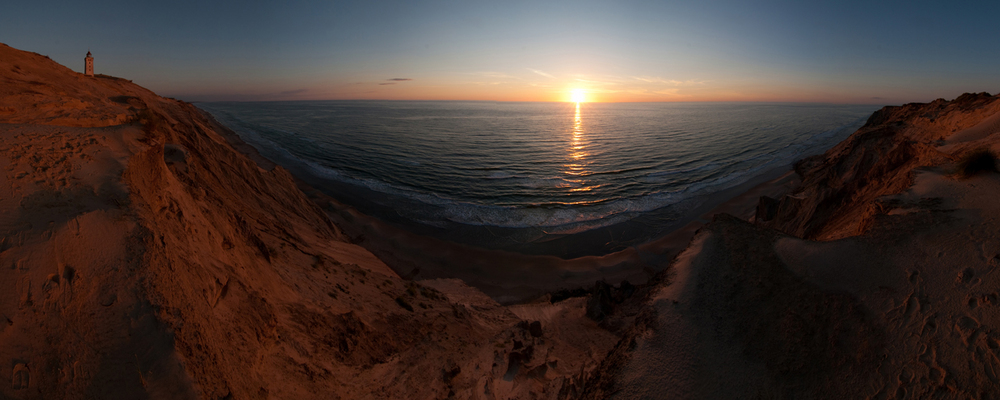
(576,168)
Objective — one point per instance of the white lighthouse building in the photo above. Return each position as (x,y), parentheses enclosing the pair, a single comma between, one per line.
(88,69)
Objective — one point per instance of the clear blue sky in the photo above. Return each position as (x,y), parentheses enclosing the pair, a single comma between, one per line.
(838,51)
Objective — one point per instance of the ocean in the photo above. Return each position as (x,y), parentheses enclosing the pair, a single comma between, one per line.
(515,176)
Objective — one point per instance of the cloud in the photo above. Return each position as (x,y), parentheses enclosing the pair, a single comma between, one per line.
(541,73)
(494,75)
(649,80)
(671,92)
(399,79)
(672,82)
(388,83)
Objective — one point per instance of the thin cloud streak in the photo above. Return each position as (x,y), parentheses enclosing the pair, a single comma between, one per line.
(542,73)
(493,74)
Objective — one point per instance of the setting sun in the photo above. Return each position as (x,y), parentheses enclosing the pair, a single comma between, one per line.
(578,96)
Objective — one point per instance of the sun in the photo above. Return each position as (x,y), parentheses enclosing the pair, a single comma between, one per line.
(577,95)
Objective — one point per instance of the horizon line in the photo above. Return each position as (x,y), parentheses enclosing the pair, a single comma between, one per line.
(556,101)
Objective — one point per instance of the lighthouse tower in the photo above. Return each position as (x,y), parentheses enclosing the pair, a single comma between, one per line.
(88,69)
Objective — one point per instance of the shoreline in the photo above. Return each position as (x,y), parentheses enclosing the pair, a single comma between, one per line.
(148,257)
(644,211)
(511,277)
(157,255)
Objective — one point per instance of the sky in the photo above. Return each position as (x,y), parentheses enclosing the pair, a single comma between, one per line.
(873,52)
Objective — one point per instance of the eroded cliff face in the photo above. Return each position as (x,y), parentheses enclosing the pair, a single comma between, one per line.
(142,256)
(903,304)
(839,188)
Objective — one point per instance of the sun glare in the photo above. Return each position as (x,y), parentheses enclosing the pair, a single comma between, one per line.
(577,96)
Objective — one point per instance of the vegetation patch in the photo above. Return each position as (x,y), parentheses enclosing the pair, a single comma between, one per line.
(977,161)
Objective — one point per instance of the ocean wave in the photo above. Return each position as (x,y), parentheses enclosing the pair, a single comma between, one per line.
(662,176)
(527,180)
(556,216)
(602,213)
(502,175)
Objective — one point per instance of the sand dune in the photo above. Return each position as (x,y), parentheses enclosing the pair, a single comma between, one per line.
(898,303)
(143,256)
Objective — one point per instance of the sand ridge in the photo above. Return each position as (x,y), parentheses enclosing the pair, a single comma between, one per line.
(897,302)
(142,256)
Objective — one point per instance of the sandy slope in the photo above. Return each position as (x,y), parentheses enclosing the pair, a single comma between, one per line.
(142,256)
(902,304)
(510,277)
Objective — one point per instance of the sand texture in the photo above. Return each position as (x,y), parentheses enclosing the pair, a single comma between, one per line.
(146,252)
(898,300)
(141,256)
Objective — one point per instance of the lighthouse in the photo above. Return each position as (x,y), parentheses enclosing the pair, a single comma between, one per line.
(88,69)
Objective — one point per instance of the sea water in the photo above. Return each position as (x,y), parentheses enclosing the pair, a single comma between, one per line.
(515,175)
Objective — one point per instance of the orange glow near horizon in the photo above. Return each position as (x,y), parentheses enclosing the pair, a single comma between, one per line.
(565,92)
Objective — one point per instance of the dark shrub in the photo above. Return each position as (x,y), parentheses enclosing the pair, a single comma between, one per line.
(976,161)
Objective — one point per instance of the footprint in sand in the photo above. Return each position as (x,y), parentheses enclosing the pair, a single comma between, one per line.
(968,328)
(912,307)
(67,273)
(21,378)
(219,290)
(930,325)
(68,373)
(973,302)
(967,324)
(965,276)
(108,298)
(51,283)
(989,363)
(25,290)
(905,376)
